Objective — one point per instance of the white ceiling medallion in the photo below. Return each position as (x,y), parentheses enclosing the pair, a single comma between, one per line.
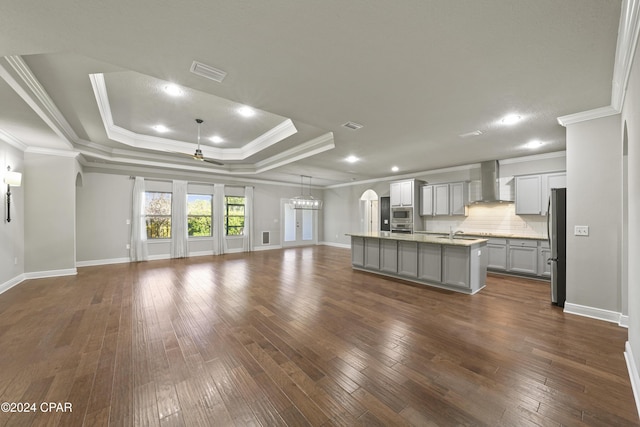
(208,72)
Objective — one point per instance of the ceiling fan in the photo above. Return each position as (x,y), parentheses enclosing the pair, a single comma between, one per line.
(198,154)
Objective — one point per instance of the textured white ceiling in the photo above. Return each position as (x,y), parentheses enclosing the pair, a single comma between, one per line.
(416,74)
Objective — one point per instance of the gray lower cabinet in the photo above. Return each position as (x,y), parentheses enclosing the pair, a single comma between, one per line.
(389,256)
(430,262)
(372,253)
(357,251)
(544,253)
(523,256)
(408,259)
(497,249)
(455,265)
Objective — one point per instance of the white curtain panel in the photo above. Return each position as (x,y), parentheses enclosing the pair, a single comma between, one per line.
(219,240)
(247,241)
(138,250)
(179,231)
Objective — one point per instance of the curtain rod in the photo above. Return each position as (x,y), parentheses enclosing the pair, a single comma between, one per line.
(191,182)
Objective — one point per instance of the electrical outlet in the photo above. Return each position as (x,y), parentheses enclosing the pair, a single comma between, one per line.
(128,246)
(581,230)
(128,222)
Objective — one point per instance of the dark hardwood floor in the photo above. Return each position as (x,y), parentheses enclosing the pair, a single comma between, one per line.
(296,337)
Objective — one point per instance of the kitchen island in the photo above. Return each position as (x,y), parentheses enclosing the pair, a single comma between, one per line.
(456,263)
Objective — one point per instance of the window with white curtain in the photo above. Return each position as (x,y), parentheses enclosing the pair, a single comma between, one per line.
(157,211)
(200,215)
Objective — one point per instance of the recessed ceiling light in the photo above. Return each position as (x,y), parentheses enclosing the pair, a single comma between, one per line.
(246,111)
(173,90)
(511,119)
(534,144)
(470,134)
(394,169)
(216,139)
(161,128)
(352,159)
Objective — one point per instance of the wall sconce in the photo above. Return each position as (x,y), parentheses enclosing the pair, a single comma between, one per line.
(11,179)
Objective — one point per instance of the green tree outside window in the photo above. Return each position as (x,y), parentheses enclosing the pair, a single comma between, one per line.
(199,215)
(234,215)
(157,211)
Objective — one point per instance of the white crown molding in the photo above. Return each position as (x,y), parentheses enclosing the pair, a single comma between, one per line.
(52,152)
(310,148)
(117,133)
(628,31)
(584,116)
(12,140)
(543,156)
(27,86)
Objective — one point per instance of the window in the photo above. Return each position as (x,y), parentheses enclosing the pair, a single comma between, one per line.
(157,210)
(199,208)
(234,215)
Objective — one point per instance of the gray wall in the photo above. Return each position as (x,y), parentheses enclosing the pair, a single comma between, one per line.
(50,200)
(11,233)
(594,155)
(104,205)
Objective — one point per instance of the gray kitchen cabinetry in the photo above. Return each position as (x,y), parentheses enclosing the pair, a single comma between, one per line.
(401,193)
(532,191)
(372,253)
(426,200)
(389,256)
(445,199)
(544,253)
(430,262)
(408,259)
(528,196)
(357,251)
(523,256)
(497,248)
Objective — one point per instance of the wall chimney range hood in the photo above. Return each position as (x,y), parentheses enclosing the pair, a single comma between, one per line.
(489,185)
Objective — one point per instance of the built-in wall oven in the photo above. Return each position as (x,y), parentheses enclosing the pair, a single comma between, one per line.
(402,220)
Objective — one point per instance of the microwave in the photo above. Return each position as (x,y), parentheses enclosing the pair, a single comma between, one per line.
(402,214)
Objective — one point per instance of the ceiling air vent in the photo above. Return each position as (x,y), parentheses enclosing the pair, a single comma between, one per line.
(352,125)
(208,72)
(470,134)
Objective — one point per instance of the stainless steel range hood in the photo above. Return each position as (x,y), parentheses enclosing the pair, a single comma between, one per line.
(489,184)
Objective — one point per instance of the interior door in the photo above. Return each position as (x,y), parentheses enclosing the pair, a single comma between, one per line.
(299,226)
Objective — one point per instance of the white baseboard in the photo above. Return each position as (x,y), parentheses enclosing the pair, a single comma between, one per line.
(595,313)
(51,273)
(267,247)
(336,245)
(94,262)
(200,253)
(11,283)
(633,374)
(624,321)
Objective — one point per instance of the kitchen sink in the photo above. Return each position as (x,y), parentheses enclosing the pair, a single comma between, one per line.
(457,238)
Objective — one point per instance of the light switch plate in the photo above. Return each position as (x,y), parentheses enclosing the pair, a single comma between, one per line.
(581,230)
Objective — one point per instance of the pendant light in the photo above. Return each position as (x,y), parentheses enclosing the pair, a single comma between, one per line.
(306,202)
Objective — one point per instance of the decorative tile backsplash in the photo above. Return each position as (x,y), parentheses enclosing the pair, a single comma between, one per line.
(491,217)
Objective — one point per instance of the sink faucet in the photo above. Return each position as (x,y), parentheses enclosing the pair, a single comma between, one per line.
(452,234)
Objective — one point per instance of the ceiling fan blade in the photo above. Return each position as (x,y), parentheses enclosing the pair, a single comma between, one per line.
(213,162)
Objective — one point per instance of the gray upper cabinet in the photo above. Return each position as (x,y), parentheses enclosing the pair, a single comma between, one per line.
(426,200)
(444,199)
(528,197)
(401,193)
(532,191)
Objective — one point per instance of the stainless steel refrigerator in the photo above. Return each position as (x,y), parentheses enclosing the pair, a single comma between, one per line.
(557,232)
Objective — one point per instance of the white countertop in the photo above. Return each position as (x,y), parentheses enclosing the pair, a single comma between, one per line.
(422,238)
(485,235)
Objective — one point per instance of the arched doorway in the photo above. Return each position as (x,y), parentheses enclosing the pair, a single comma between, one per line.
(369,211)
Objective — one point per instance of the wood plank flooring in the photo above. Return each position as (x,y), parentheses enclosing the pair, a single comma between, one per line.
(296,337)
